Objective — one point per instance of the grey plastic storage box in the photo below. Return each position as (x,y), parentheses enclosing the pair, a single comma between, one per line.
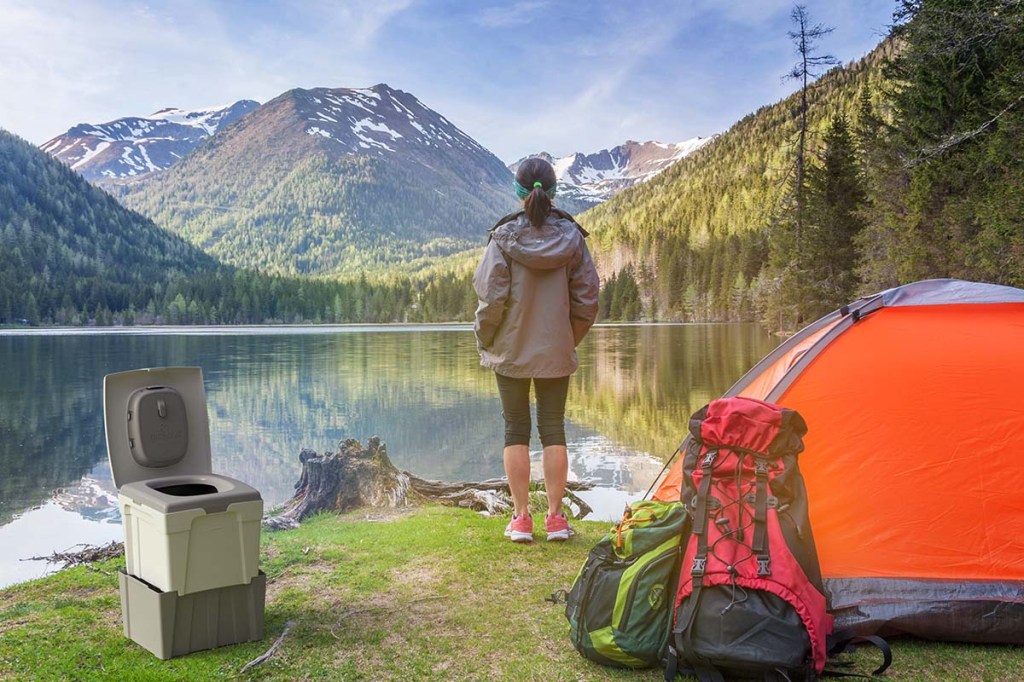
(169,625)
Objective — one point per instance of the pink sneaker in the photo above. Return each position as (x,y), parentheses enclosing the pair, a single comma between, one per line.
(558,527)
(520,528)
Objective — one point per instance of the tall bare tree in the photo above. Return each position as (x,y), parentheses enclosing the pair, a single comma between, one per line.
(808,67)
(783,287)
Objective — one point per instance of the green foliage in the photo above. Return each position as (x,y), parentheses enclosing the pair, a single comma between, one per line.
(956,133)
(620,297)
(817,274)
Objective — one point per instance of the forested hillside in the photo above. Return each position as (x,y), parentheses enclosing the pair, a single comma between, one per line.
(72,255)
(945,179)
(693,240)
(70,248)
(914,170)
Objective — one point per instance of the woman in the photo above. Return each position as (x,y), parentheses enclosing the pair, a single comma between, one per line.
(537,289)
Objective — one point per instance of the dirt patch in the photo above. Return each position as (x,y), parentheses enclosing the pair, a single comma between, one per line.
(419,573)
(378,514)
(313,579)
(13,624)
(84,593)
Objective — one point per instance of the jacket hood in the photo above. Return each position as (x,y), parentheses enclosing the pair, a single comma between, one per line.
(553,245)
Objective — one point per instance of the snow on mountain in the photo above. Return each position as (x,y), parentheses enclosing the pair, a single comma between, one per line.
(134,146)
(585,180)
(379,120)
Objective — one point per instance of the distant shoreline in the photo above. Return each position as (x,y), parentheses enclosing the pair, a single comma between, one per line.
(271,329)
(235,329)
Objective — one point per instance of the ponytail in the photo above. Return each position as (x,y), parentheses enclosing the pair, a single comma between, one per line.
(537,205)
(536,185)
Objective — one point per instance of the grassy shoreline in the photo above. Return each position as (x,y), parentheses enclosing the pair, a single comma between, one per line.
(422,594)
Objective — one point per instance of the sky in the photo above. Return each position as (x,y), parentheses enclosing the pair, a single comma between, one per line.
(520,77)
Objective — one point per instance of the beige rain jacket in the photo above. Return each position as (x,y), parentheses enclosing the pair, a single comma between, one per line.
(537,290)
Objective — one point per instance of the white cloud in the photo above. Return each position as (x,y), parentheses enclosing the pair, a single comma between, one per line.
(352,24)
(70,62)
(595,92)
(518,14)
(93,60)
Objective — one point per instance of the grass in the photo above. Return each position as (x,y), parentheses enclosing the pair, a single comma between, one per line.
(426,594)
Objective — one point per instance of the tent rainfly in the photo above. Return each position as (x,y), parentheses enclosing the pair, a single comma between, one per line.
(914,459)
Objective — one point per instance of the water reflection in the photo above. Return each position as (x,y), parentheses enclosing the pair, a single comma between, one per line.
(270,395)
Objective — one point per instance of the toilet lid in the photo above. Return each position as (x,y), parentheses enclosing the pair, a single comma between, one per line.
(117,391)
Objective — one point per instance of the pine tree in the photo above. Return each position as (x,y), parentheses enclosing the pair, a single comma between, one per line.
(835,199)
(959,125)
(884,179)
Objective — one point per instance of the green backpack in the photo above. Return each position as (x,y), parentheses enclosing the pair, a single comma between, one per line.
(620,605)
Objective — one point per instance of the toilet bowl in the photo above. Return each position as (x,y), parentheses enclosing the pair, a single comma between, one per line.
(186,529)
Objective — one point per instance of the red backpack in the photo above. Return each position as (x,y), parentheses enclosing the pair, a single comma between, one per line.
(750,601)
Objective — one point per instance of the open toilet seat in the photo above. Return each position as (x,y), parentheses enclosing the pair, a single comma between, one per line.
(211,492)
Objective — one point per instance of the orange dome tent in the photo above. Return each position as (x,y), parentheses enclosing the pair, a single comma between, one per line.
(914,459)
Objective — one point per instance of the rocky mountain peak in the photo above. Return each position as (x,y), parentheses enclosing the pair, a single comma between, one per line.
(135,146)
(586,180)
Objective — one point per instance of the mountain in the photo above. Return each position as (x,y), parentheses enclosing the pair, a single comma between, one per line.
(70,247)
(585,180)
(332,181)
(134,146)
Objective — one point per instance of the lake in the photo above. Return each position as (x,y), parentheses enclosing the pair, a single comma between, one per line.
(273,391)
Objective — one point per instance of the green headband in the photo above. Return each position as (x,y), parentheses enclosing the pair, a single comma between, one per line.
(522,192)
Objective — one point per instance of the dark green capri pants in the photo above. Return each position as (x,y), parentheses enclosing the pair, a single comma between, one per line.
(515,407)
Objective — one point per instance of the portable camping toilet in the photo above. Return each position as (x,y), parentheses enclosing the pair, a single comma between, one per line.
(192,578)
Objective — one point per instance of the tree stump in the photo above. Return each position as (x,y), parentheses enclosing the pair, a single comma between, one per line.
(357,477)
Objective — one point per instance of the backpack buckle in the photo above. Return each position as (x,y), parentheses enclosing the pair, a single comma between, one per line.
(764,565)
(772,501)
(709,458)
(760,467)
(698,565)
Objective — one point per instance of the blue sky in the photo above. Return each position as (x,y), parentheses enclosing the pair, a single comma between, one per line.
(518,76)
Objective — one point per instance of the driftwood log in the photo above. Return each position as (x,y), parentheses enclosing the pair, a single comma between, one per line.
(355,477)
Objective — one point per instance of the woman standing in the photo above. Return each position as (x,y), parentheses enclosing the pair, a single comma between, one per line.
(537,288)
